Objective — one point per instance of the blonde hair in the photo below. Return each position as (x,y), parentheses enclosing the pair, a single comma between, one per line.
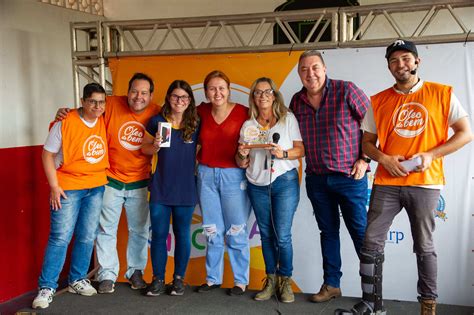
(278,107)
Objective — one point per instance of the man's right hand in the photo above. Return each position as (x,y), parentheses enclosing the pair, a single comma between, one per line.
(392,164)
(55,198)
(62,113)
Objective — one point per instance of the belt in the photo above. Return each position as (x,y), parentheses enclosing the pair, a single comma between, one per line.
(114,183)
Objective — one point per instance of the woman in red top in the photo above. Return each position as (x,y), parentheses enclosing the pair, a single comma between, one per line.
(222,185)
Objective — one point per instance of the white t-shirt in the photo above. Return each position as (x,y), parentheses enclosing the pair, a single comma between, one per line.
(456,112)
(258,172)
(54,141)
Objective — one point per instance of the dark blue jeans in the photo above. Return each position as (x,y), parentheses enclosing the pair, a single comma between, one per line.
(328,194)
(275,220)
(160,225)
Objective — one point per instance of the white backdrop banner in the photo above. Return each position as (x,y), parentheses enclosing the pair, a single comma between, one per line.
(450,64)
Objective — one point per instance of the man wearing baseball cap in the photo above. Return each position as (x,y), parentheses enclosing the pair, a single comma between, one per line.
(410,121)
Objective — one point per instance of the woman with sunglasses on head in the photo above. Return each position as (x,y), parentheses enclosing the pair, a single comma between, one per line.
(273,181)
(172,186)
(222,186)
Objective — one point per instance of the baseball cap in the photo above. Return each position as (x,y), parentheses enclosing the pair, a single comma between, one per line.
(400,44)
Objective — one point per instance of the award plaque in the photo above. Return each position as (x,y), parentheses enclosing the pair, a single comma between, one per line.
(255,138)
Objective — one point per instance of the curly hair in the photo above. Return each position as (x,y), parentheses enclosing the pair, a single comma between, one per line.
(190,117)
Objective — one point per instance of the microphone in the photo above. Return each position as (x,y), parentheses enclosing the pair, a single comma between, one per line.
(275,139)
(413,71)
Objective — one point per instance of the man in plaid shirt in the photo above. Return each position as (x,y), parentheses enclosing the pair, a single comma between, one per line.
(329,113)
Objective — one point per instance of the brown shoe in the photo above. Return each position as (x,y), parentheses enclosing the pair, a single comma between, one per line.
(428,307)
(325,294)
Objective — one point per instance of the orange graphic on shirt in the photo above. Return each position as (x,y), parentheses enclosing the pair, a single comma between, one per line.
(410,120)
(131,135)
(94,149)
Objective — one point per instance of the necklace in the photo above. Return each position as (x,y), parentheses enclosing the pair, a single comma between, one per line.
(266,123)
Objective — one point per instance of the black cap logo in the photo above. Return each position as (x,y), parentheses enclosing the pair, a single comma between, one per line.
(400,44)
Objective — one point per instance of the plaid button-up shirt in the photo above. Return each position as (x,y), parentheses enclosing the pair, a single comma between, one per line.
(331,134)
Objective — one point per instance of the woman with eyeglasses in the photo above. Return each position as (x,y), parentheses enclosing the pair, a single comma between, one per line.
(273,181)
(172,185)
(222,186)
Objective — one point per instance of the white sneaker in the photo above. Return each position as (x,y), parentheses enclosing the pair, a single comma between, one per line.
(44,297)
(82,287)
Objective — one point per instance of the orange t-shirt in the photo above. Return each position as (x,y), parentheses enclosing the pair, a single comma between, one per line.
(412,123)
(125,132)
(85,156)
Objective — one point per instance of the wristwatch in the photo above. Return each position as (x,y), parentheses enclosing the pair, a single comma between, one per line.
(366,159)
(285,155)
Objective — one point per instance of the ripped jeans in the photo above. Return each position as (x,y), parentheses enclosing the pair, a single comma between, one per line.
(225,209)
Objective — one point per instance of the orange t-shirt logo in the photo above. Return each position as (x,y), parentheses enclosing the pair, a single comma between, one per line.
(131,135)
(410,120)
(93,149)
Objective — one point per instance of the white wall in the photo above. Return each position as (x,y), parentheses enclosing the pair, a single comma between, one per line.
(35,68)
(150,9)
(157,9)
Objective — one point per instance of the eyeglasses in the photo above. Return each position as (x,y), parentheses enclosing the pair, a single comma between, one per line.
(176,98)
(258,93)
(95,102)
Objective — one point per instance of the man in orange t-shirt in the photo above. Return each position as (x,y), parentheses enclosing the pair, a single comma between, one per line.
(75,158)
(125,120)
(410,121)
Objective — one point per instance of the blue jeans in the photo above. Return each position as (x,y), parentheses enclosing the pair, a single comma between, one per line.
(135,203)
(79,215)
(328,194)
(160,226)
(225,209)
(275,218)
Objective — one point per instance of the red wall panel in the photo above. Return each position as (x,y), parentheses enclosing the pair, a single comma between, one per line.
(24,220)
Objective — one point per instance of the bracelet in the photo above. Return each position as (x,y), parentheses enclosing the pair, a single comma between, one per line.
(366,159)
(242,157)
(285,155)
